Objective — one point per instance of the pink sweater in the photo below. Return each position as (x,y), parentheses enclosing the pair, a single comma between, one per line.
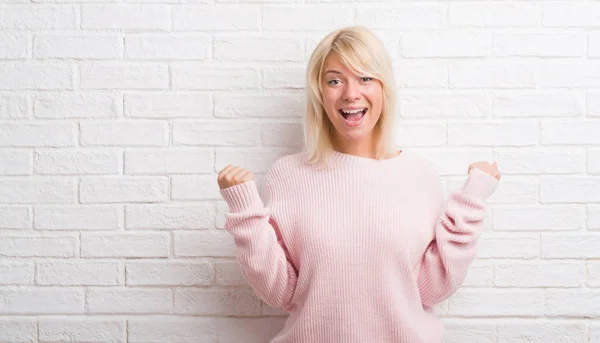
(358,253)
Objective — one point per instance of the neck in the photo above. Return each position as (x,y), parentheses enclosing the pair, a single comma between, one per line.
(363,148)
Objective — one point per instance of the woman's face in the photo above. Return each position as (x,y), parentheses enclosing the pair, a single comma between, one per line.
(353,103)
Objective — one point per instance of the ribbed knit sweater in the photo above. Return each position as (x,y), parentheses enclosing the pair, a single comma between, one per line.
(358,252)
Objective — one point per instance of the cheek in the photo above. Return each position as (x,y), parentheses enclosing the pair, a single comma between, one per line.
(375,97)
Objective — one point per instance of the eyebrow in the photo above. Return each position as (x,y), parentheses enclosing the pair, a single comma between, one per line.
(332,71)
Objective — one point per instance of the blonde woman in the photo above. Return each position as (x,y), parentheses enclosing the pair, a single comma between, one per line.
(352,236)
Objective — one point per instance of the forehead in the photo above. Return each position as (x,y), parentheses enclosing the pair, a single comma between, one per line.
(334,63)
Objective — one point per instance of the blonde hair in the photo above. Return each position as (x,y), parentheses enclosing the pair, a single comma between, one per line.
(363,53)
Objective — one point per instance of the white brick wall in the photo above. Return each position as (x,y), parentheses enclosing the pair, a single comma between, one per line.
(116,117)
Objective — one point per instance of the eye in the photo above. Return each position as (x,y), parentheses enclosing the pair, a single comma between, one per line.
(366,79)
(333,82)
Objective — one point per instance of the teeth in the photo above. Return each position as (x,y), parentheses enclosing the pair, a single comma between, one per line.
(352,111)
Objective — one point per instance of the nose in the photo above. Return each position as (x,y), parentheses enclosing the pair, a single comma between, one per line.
(351,92)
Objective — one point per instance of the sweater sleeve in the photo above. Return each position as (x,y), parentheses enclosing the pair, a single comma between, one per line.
(447,258)
(263,257)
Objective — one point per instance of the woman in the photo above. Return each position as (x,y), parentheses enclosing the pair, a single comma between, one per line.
(354,238)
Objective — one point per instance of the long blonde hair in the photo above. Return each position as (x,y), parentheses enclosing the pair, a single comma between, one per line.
(363,53)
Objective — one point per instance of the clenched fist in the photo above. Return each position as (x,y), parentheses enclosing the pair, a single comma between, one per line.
(233,175)
(490,168)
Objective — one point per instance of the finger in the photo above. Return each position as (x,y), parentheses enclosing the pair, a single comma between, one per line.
(238,174)
(224,170)
(228,176)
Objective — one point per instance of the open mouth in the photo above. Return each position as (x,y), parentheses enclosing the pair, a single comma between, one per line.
(353,115)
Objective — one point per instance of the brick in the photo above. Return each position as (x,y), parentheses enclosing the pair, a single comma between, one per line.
(524,103)
(38,190)
(492,74)
(417,134)
(468,330)
(480,274)
(581,246)
(273,49)
(494,302)
(541,331)
(592,104)
(539,274)
(144,105)
(229,273)
(150,273)
(39,246)
(258,105)
(92,330)
(18,329)
(15,162)
(501,133)
(593,217)
(565,15)
(36,75)
(14,105)
(258,160)
(215,18)
(77,46)
(37,135)
(249,329)
(15,218)
(16,273)
(509,246)
(169,161)
(593,273)
(200,77)
(577,303)
(123,189)
(14,46)
(138,133)
(195,188)
(172,47)
(299,18)
(214,243)
(74,273)
(539,44)
(78,218)
(125,17)
(547,218)
(404,16)
(125,245)
(511,190)
(593,43)
(570,133)
(216,302)
(216,134)
(455,161)
(172,216)
(46,300)
(494,15)
(77,162)
(450,43)
(282,134)
(433,104)
(129,301)
(172,329)
(118,75)
(541,161)
(75,105)
(26,17)
(565,73)
(283,78)
(576,189)
(420,74)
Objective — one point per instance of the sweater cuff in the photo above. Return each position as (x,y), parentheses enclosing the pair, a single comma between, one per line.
(480,184)
(241,197)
